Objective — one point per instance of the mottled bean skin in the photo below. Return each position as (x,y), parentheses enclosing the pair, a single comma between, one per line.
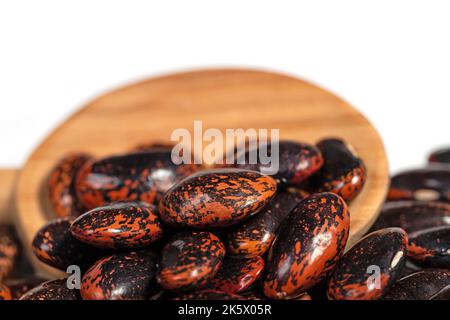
(297,161)
(210,295)
(5,293)
(253,294)
(430,247)
(52,290)
(180,150)
(408,269)
(122,276)
(122,225)
(54,245)
(237,274)
(440,156)
(429,184)
(254,236)
(216,198)
(190,260)
(20,286)
(413,215)
(256,295)
(351,280)
(342,173)
(307,246)
(443,294)
(319,290)
(422,285)
(61,185)
(140,176)
(9,249)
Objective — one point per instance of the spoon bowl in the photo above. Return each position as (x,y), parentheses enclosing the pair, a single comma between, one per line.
(149,111)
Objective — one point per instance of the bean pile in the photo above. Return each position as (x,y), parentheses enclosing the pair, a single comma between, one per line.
(140,227)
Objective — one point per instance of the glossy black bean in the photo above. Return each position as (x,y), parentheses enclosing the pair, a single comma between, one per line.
(254,236)
(237,274)
(190,260)
(54,245)
(408,269)
(422,285)
(440,156)
(369,269)
(444,294)
(61,185)
(52,290)
(141,176)
(120,225)
(122,276)
(413,215)
(296,161)
(18,287)
(428,184)
(308,246)
(216,198)
(343,172)
(430,247)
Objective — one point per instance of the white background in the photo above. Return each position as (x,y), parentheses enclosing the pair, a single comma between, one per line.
(391,59)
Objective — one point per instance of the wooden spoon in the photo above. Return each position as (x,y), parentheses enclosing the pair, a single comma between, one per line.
(150,110)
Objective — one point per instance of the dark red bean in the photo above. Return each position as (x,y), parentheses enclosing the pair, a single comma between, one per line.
(20,286)
(54,245)
(9,249)
(5,293)
(123,276)
(216,198)
(342,173)
(307,246)
(413,215)
(422,285)
(430,247)
(143,176)
(210,295)
(119,225)
(190,260)
(353,279)
(440,156)
(237,274)
(52,290)
(61,185)
(429,184)
(297,161)
(254,236)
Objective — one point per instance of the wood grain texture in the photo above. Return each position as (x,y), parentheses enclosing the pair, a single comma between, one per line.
(150,110)
(8,179)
